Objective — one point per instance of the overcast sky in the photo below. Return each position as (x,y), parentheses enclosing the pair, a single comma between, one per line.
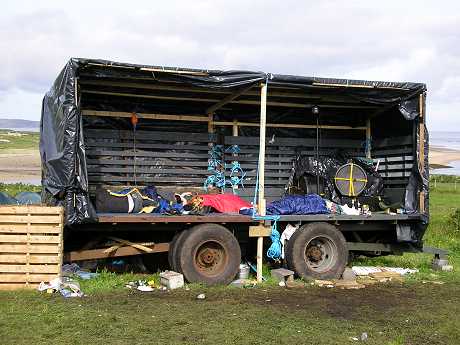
(377,40)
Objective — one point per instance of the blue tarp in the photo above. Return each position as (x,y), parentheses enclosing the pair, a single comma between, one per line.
(298,204)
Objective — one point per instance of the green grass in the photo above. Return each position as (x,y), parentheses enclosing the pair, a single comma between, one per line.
(11,140)
(442,233)
(414,312)
(15,188)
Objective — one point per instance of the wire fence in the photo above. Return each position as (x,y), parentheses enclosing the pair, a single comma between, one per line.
(445,182)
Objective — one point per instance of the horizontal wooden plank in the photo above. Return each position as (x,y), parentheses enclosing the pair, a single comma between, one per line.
(142,180)
(143,145)
(17,286)
(391,151)
(5,268)
(101,252)
(393,141)
(155,170)
(33,219)
(131,153)
(22,278)
(149,135)
(33,259)
(32,229)
(24,248)
(151,162)
(15,238)
(307,142)
(39,210)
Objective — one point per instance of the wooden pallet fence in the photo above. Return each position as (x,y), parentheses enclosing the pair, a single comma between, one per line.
(30,245)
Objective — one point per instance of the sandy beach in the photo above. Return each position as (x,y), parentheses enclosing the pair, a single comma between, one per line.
(24,165)
(20,166)
(443,156)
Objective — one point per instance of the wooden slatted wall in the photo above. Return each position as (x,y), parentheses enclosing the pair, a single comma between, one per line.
(30,245)
(396,160)
(280,154)
(162,158)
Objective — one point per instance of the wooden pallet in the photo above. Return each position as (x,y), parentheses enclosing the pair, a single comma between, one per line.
(30,245)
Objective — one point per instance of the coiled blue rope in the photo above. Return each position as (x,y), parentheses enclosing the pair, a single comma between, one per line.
(274,251)
(218,168)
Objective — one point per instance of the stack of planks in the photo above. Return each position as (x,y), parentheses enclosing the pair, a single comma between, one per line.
(30,245)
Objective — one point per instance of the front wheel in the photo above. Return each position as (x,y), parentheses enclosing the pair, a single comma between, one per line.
(209,254)
(317,250)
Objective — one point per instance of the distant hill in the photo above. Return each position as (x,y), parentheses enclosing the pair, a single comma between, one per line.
(19,124)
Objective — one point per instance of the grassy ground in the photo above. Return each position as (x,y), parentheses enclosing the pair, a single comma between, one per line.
(11,140)
(425,309)
(15,188)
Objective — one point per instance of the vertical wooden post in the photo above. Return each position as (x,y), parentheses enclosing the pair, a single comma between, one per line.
(211,123)
(261,169)
(368,138)
(235,128)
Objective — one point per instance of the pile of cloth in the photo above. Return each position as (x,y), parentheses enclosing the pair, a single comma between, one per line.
(147,200)
(134,200)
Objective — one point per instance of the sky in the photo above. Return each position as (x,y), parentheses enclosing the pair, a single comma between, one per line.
(415,41)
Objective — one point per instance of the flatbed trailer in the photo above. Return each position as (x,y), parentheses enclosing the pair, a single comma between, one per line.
(115,125)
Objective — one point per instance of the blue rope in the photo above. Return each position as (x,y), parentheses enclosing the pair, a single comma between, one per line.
(218,169)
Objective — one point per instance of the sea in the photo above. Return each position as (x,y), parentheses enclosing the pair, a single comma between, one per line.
(450,140)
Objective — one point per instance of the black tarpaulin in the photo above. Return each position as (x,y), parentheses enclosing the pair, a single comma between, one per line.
(62,149)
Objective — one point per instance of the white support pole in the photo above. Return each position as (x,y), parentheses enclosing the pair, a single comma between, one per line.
(261,169)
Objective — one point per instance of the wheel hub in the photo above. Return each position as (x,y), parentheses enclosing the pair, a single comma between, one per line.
(210,258)
(314,253)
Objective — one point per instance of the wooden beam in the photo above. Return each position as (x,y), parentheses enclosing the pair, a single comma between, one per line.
(101,252)
(199,118)
(191,118)
(286,125)
(261,170)
(228,99)
(167,87)
(247,102)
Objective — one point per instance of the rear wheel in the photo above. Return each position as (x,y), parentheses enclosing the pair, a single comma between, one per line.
(317,250)
(209,254)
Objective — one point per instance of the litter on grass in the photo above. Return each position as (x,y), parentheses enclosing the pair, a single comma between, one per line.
(73,269)
(66,286)
(367,270)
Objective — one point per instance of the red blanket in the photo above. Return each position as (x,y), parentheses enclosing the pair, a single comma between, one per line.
(225,203)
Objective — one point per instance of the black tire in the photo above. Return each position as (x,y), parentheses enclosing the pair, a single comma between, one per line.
(209,254)
(177,249)
(318,251)
(171,251)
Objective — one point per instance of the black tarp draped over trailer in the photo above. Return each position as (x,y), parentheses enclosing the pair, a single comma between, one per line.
(62,147)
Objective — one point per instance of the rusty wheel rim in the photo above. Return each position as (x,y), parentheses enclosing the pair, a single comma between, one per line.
(320,254)
(210,258)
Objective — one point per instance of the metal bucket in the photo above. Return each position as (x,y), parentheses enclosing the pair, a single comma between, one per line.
(244,271)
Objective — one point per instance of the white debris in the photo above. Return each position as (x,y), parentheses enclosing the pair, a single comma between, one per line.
(366,270)
(364,336)
(201,296)
(145,288)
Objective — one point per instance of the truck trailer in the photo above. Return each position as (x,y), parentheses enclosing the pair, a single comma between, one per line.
(341,163)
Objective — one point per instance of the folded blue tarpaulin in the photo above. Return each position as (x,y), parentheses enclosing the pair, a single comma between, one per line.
(298,204)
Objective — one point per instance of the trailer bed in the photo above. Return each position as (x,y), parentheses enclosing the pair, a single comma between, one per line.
(238,218)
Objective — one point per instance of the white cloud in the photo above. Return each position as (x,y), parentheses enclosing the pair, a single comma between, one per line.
(391,40)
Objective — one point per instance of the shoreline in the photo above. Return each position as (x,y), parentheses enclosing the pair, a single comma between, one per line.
(22,165)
